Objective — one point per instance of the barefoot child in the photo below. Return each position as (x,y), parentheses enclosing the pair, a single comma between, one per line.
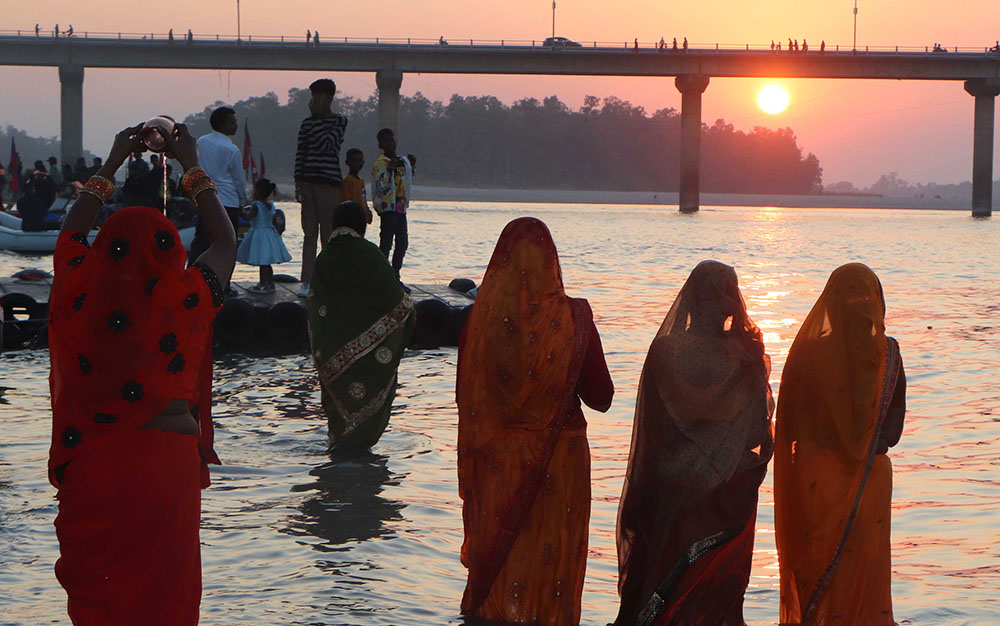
(262,244)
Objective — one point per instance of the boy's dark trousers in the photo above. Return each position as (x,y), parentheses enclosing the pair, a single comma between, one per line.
(393,224)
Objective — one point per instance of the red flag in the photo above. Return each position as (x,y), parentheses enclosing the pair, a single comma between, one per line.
(263,168)
(247,145)
(14,168)
(253,169)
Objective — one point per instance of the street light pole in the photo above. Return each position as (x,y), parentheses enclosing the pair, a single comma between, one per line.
(553,18)
(238,33)
(855,25)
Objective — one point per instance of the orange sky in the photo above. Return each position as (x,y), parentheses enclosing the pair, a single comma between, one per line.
(858,129)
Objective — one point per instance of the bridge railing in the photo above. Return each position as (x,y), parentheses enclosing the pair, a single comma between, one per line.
(48,35)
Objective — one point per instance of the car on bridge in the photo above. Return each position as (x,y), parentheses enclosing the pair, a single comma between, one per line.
(560,42)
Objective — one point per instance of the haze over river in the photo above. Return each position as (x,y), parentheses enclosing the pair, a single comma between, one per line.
(289,538)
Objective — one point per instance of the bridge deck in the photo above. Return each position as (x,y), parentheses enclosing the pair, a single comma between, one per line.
(495,58)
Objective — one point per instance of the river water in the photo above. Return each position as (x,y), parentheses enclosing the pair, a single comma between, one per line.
(290,538)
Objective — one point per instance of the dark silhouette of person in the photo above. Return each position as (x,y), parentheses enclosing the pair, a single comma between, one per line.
(37,29)
(316,38)
(790,48)
(95,167)
(69,33)
(170,36)
(308,35)
(685,44)
(55,31)
(81,173)
(805,46)
(675,43)
(772,45)
(39,194)
(190,36)
(441,41)
(635,46)
(822,46)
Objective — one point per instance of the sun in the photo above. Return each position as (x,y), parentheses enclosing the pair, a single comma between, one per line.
(772,99)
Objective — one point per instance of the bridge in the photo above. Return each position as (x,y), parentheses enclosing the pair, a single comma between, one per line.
(693,67)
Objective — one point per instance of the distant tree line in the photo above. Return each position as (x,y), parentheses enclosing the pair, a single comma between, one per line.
(891,184)
(478,141)
(30,148)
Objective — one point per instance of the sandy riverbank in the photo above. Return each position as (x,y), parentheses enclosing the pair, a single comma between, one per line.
(671,198)
(583,196)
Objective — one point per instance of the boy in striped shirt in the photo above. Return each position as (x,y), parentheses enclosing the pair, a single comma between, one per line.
(317,172)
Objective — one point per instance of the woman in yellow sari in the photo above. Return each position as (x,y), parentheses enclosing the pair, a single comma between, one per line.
(841,406)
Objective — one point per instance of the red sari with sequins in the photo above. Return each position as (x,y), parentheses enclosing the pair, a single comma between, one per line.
(528,354)
(130,330)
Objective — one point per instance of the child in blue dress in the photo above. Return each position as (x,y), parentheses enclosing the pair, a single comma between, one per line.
(262,244)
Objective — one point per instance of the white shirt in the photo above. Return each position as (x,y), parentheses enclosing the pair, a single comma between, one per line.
(224,164)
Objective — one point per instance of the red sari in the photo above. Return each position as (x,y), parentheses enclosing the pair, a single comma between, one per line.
(700,446)
(528,354)
(130,330)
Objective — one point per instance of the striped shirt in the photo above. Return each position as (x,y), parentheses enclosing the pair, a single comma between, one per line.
(317,158)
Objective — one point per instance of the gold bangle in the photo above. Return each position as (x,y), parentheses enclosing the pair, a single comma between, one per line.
(100,188)
(201,186)
(96,194)
(191,179)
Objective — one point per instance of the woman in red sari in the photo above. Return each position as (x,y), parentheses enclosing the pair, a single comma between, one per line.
(843,398)
(131,384)
(527,356)
(700,446)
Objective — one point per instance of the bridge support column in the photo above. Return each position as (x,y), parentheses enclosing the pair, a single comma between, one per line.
(71,113)
(691,87)
(985,91)
(388,83)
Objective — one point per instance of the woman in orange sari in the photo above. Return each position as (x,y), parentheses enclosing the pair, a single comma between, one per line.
(700,447)
(527,356)
(842,401)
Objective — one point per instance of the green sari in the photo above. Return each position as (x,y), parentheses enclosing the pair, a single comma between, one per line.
(360,321)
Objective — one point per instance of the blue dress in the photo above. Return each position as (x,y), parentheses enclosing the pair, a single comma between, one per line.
(262,244)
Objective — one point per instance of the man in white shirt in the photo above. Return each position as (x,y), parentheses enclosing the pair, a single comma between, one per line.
(224,164)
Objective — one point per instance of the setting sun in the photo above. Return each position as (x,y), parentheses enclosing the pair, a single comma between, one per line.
(772,99)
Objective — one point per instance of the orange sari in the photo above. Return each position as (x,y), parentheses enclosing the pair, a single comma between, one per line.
(527,354)
(832,485)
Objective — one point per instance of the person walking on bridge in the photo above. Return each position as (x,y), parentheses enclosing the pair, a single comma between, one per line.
(308,35)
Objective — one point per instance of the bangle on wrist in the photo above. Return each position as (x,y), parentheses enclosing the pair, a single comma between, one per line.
(99,187)
(196,180)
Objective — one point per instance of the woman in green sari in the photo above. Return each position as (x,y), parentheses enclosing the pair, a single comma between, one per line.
(360,321)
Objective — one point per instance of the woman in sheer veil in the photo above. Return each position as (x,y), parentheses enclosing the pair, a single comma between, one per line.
(842,403)
(700,446)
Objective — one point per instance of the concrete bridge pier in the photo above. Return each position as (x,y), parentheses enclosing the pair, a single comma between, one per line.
(388,82)
(985,91)
(71,113)
(691,87)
